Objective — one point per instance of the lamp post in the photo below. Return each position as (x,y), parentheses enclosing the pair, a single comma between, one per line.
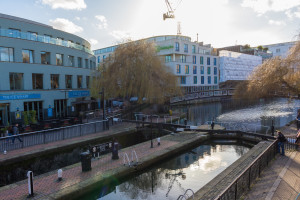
(102,93)
(151,132)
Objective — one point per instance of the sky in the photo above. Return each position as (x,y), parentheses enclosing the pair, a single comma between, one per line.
(218,22)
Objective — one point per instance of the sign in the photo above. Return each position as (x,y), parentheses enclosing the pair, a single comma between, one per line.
(50,112)
(18,115)
(75,94)
(19,96)
(73,108)
(159,48)
(101,148)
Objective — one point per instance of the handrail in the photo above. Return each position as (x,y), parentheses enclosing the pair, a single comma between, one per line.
(245,170)
(136,158)
(185,194)
(181,197)
(125,155)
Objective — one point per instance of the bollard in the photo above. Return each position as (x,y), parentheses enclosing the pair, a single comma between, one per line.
(59,175)
(5,152)
(158,141)
(115,150)
(30,183)
(86,163)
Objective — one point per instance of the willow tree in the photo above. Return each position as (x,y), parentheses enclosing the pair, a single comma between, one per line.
(274,75)
(135,70)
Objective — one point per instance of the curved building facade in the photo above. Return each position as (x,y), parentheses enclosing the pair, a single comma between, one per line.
(42,69)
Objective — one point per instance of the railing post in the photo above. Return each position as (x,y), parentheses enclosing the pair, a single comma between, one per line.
(44,136)
(80,130)
(63,133)
(249,177)
(95,127)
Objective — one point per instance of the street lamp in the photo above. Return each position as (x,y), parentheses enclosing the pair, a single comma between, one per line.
(151,132)
(102,93)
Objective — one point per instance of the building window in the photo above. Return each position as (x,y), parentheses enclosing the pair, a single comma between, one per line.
(215,71)
(193,49)
(176,46)
(15,33)
(98,59)
(32,36)
(202,79)
(182,80)
(209,79)
(195,79)
(91,64)
(68,81)
(208,70)
(45,58)
(79,81)
(87,82)
(37,81)
(187,69)
(194,69)
(47,38)
(183,58)
(86,63)
(71,61)
(277,50)
(27,56)
(59,59)
(194,59)
(103,58)
(178,69)
(6,54)
(201,60)
(208,60)
(186,48)
(79,62)
(202,69)
(215,80)
(215,61)
(16,81)
(54,81)
(168,58)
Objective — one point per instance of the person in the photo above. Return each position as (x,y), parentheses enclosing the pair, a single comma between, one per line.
(281,140)
(298,138)
(298,121)
(15,131)
(212,124)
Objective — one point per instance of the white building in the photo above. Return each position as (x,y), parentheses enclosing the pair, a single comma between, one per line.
(280,49)
(237,66)
(193,63)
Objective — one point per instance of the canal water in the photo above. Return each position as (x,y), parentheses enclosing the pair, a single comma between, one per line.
(190,170)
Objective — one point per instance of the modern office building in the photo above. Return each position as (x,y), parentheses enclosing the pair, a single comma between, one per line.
(280,49)
(237,66)
(42,69)
(195,64)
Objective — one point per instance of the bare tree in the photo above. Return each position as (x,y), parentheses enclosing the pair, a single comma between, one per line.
(274,75)
(135,70)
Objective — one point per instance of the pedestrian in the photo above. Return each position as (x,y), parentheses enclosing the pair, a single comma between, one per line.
(15,131)
(298,120)
(298,138)
(281,140)
(212,124)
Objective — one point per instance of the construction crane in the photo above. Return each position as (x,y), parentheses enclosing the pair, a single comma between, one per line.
(170,13)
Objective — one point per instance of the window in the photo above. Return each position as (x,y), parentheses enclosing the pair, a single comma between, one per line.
(202,79)
(47,38)
(68,81)
(215,80)
(32,36)
(208,70)
(215,71)
(59,59)
(6,54)
(15,33)
(195,79)
(193,49)
(201,60)
(71,61)
(182,80)
(215,61)
(27,56)
(194,59)
(103,57)
(87,82)
(45,58)
(185,48)
(54,81)
(209,79)
(168,59)
(86,63)
(98,59)
(16,81)
(178,69)
(37,81)
(194,69)
(79,81)
(208,60)
(176,46)
(91,64)
(183,58)
(277,50)
(186,69)
(79,62)
(202,70)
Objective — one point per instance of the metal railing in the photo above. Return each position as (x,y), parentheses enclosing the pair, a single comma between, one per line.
(186,195)
(51,135)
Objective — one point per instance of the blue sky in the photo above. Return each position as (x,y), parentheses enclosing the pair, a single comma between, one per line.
(217,22)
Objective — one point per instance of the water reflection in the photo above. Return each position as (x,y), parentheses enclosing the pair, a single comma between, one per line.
(168,180)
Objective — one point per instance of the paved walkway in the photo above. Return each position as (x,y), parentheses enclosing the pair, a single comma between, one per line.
(281,180)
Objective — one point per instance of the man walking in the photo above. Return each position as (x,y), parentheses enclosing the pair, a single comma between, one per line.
(281,140)
(16,133)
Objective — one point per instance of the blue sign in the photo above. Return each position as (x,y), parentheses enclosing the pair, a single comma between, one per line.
(50,112)
(75,94)
(19,96)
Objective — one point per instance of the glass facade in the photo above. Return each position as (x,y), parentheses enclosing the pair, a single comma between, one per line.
(54,81)
(194,69)
(71,61)
(168,58)
(68,79)
(6,54)
(195,79)
(201,60)
(59,59)
(187,70)
(16,81)
(37,81)
(27,56)
(182,80)
(178,69)
(45,58)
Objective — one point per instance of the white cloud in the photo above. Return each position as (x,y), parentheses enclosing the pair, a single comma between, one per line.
(77,18)
(292,14)
(120,35)
(102,22)
(65,25)
(274,22)
(263,6)
(66,4)
(93,41)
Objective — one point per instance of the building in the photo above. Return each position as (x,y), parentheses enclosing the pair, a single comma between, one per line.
(237,66)
(42,69)
(195,64)
(280,49)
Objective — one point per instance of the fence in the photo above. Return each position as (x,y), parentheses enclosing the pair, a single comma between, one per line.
(52,135)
